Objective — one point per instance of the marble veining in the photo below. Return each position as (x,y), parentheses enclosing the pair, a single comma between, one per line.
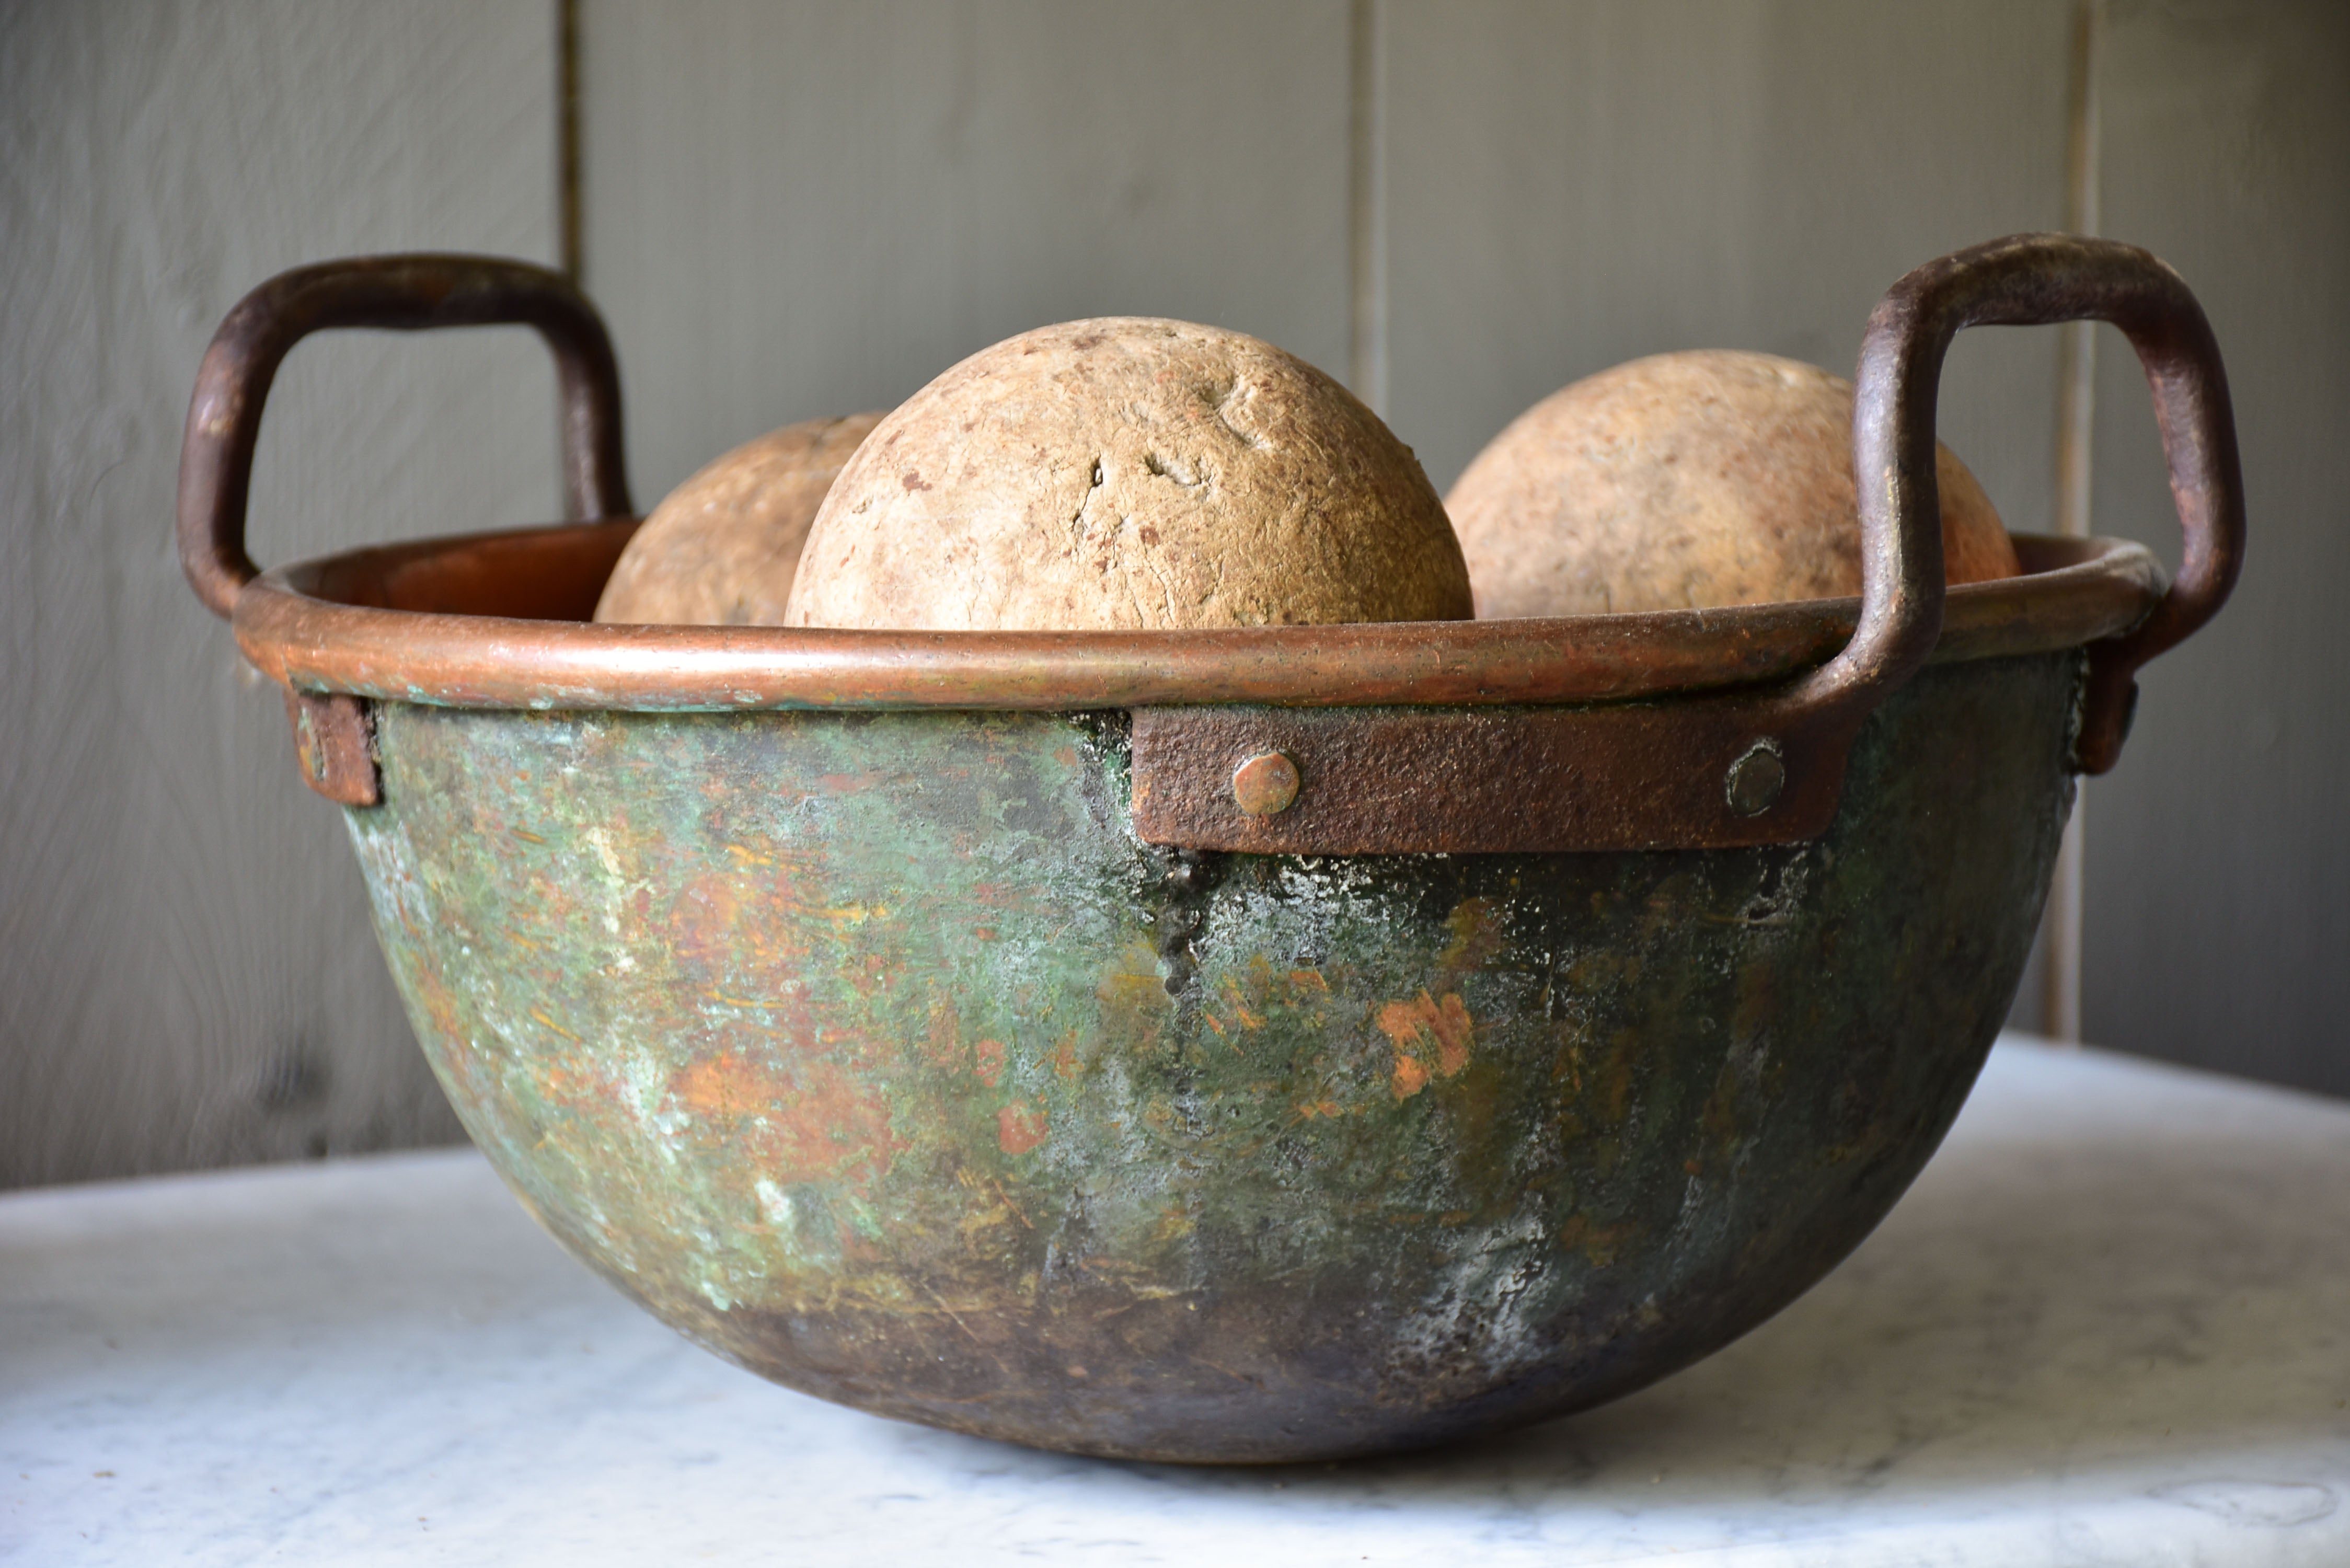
(2111,1323)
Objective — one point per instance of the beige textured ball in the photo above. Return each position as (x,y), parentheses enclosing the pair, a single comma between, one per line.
(721,549)
(1130,474)
(1688,481)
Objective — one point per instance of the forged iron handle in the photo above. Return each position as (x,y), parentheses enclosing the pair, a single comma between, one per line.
(2031,280)
(401,294)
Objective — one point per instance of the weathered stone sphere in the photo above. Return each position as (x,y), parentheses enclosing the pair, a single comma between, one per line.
(1129,473)
(721,549)
(1688,481)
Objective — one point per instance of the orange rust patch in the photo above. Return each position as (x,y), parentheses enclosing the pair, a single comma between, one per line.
(1410,1025)
(988,1061)
(1410,1077)
(751,929)
(1019,1127)
(846,784)
(874,977)
(439,1007)
(815,1122)
(1065,1059)
(727,1086)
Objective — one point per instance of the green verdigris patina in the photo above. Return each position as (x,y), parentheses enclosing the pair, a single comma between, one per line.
(875,1053)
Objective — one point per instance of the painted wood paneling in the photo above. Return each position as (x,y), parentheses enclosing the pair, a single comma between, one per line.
(797,209)
(1572,186)
(2217,910)
(187,976)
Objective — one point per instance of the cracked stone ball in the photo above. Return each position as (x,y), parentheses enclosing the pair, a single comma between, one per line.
(1126,473)
(1688,481)
(721,549)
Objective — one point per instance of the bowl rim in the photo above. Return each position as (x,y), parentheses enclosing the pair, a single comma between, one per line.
(498,620)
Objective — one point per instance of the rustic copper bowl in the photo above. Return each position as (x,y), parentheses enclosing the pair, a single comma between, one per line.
(930,1020)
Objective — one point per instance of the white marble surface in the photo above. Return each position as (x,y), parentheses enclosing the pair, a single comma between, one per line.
(2111,1324)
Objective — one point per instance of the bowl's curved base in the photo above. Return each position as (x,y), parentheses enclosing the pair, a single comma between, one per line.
(874,1052)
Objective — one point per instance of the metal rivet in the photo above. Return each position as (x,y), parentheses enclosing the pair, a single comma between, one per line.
(1265,784)
(1756,780)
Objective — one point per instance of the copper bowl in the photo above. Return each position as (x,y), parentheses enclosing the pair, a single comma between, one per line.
(949,1024)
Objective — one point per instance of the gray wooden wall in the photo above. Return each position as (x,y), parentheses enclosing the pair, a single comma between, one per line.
(187,975)
(799,209)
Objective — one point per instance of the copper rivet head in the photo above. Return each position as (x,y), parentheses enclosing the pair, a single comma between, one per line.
(1756,780)
(1265,784)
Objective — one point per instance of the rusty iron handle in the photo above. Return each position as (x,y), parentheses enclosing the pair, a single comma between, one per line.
(401,294)
(2031,280)
(1730,768)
